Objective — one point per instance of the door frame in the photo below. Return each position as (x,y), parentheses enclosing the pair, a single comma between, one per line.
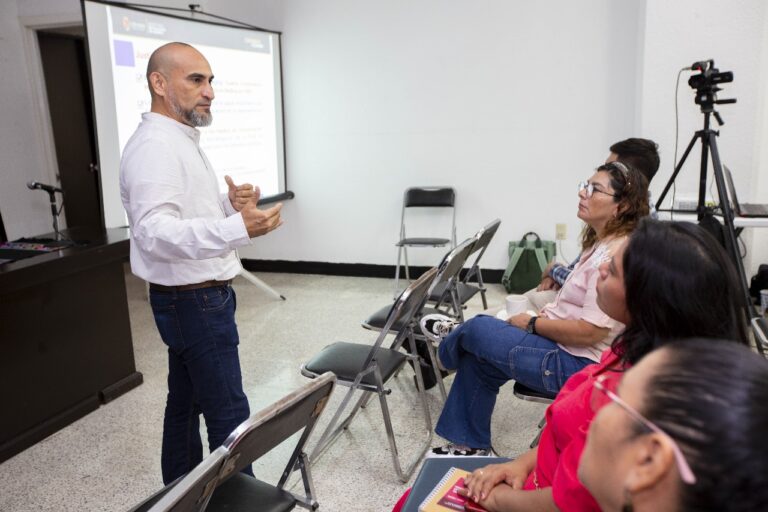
(40,116)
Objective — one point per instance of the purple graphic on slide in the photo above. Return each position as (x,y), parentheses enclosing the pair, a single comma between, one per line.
(124,53)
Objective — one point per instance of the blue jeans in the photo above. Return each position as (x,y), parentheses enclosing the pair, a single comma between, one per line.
(487,353)
(198,326)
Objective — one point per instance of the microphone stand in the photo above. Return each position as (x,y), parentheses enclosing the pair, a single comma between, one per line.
(54,214)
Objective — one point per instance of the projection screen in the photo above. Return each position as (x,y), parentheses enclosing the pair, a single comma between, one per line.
(246,137)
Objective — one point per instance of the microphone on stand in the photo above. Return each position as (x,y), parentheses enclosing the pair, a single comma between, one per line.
(32,185)
(36,185)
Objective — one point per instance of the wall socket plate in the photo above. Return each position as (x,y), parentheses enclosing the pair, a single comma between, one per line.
(561,231)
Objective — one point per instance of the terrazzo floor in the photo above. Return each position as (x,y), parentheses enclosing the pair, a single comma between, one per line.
(110,459)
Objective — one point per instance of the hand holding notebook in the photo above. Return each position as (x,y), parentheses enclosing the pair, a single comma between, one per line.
(445,497)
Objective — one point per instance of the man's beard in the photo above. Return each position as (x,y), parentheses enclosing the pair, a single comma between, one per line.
(191,116)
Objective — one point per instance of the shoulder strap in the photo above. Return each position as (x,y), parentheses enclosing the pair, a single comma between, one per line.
(514,258)
(541,257)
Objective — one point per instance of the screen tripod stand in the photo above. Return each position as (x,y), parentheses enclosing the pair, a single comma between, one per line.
(705,84)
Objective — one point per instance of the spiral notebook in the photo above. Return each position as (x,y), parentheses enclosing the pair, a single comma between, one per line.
(444,497)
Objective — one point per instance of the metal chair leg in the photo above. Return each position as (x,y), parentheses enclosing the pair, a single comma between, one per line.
(397,272)
(404,475)
(405,256)
(329,434)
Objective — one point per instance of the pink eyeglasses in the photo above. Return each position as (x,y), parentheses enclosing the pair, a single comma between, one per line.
(682,465)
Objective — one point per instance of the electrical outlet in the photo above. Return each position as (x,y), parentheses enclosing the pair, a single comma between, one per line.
(561,231)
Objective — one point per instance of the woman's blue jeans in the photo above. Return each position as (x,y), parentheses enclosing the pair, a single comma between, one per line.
(198,326)
(487,353)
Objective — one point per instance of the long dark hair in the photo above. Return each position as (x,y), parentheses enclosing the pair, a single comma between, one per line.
(631,189)
(679,283)
(711,396)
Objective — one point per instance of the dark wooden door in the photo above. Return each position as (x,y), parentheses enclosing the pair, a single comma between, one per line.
(69,101)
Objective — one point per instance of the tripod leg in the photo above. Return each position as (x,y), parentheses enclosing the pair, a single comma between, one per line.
(695,137)
(730,232)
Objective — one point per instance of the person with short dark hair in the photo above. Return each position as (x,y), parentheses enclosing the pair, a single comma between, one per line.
(642,154)
(683,431)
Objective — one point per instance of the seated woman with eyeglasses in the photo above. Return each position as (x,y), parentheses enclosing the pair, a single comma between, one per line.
(683,431)
(538,351)
(669,281)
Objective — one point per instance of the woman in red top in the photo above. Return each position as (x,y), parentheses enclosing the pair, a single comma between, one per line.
(669,281)
(683,432)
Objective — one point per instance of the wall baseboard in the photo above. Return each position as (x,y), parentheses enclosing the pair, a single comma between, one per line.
(346,269)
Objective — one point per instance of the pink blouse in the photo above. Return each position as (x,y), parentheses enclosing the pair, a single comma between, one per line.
(577,299)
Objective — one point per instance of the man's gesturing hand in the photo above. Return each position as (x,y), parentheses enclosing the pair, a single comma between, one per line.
(239,195)
(260,222)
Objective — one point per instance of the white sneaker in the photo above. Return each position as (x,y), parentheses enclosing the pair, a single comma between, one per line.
(452,450)
(436,327)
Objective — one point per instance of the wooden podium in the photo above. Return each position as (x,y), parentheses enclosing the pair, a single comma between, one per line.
(65,336)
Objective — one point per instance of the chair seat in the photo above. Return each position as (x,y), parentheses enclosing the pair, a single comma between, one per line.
(238,493)
(436,242)
(245,493)
(524,392)
(376,321)
(466,292)
(346,360)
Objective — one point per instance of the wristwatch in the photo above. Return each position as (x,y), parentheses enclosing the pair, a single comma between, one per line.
(531,327)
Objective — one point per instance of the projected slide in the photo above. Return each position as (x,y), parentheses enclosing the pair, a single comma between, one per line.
(245,139)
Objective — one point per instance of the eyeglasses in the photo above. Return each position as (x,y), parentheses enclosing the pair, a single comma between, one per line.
(682,465)
(589,189)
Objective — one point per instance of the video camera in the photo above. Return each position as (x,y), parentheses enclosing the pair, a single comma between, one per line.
(706,87)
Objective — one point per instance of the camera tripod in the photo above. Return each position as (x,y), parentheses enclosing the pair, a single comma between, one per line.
(706,97)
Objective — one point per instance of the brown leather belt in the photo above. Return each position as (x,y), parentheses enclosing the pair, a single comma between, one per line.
(185,287)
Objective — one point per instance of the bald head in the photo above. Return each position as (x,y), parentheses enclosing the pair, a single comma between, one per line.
(179,79)
(164,59)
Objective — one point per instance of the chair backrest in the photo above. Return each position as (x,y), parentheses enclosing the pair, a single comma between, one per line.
(430,197)
(454,261)
(483,239)
(403,310)
(451,266)
(193,491)
(435,197)
(271,426)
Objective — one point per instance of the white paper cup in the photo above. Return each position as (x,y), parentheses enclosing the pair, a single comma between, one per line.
(516,304)
(763,302)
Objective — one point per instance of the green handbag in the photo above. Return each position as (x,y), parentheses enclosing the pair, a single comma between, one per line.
(527,261)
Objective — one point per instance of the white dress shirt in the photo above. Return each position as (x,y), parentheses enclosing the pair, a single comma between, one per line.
(183,231)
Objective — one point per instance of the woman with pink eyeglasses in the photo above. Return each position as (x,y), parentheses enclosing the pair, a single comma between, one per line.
(669,281)
(683,431)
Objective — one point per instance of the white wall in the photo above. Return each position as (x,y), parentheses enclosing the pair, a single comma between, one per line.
(26,153)
(680,33)
(512,103)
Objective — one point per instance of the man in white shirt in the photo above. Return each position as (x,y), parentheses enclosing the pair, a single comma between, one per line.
(183,237)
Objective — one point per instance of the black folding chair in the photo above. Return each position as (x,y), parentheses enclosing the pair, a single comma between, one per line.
(523,392)
(424,197)
(465,289)
(367,368)
(217,484)
(447,272)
